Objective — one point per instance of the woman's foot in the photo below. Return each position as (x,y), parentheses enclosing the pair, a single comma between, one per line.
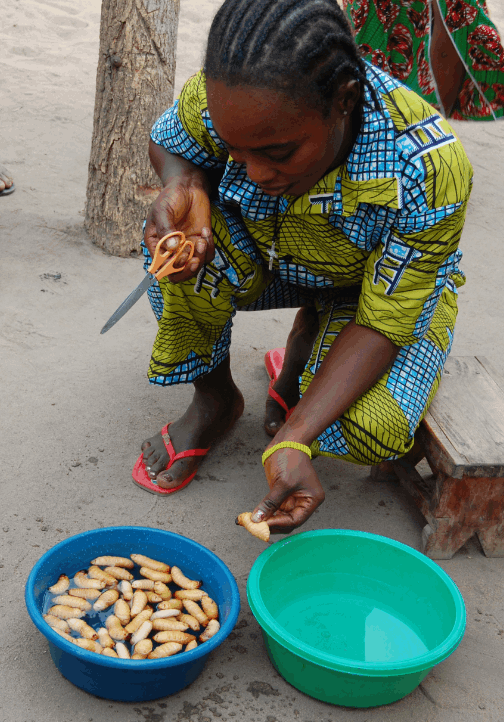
(217,404)
(297,353)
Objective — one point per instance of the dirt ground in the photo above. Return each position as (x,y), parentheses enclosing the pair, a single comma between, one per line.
(75,405)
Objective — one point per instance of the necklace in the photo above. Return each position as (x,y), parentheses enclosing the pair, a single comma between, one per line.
(272,255)
(276,230)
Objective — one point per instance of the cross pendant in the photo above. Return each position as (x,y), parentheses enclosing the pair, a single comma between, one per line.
(272,255)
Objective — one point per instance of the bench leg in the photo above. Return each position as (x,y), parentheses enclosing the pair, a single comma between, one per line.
(492,540)
(446,539)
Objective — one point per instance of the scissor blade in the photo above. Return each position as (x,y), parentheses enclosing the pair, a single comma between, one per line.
(128,302)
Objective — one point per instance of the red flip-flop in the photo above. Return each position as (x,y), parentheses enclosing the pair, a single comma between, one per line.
(273,361)
(142,478)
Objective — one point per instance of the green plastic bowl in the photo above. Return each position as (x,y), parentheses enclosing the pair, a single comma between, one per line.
(351,618)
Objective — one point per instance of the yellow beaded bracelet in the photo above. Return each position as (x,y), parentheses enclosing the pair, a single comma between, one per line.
(286,445)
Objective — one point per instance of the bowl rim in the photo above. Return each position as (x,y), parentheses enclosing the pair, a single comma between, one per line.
(358,667)
(130,664)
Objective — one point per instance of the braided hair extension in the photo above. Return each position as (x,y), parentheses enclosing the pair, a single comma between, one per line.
(299,47)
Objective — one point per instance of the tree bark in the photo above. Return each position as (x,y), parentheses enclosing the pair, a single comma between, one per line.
(134,85)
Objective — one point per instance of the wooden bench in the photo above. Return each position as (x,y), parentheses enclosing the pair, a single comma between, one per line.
(462,438)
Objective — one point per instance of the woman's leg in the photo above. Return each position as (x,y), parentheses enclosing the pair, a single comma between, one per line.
(297,352)
(381,424)
(447,67)
(192,346)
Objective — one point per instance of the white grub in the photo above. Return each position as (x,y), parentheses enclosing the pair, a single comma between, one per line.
(85,593)
(259,529)
(109,652)
(84,582)
(71,601)
(122,651)
(191,621)
(138,602)
(147,584)
(143,561)
(106,600)
(58,624)
(108,561)
(165,614)
(173,636)
(182,581)
(163,590)
(126,590)
(64,635)
(195,610)
(105,639)
(165,625)
(119,573)
(165,650)
(153,598)
(171,604)
(80,626)
(63,611)
(195,594)
(97,573)
(137,622)
(122,611)
(115,629)
(210,607)
(212,629)
(142,632)
(142,649)
(88,644)
(155,576)
(61,585)
(191,645)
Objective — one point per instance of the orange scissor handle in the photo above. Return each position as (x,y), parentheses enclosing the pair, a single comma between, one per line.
(167,260)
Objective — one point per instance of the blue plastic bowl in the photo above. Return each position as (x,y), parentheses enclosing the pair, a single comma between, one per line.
(351,618)
(122,679)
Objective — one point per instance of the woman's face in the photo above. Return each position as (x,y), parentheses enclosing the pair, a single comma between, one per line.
(285,144)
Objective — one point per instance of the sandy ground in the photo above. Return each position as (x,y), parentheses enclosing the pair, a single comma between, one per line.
(75,405)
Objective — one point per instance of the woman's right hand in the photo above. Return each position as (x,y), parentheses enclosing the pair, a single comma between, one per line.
(182,207)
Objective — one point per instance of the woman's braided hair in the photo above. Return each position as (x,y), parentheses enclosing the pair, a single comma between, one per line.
(300,47)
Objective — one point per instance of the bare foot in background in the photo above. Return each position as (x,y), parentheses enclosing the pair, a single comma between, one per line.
(6,182)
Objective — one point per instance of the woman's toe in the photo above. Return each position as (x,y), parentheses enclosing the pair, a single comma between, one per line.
(156,466)
(272,427)
(165,480)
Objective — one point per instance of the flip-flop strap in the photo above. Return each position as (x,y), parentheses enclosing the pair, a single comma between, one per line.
(278,398)
(182,454)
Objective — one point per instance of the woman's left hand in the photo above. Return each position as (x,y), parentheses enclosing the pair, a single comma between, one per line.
(295,491)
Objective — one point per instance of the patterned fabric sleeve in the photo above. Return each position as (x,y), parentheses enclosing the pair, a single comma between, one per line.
(411,266)
(186,128)
(406,276)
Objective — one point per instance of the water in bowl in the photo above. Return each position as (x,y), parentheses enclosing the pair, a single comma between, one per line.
(354,624)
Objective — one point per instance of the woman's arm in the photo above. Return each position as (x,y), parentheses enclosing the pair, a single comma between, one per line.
(173,168)
(356,360)
(358,357)
(182,205)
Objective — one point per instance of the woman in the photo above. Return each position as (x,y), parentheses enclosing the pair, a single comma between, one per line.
(447,51)
(342,193)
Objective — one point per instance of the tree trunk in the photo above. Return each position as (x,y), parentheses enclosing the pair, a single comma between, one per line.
(134,85)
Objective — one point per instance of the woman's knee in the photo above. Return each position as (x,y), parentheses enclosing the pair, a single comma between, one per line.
(376,432)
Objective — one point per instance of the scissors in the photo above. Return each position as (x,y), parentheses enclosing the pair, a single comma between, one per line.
(166,260)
